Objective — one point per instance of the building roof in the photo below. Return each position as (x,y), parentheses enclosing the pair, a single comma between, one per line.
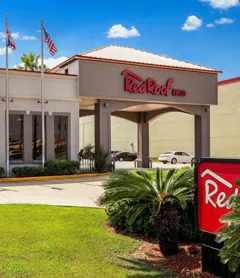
(229,81)
(126,55)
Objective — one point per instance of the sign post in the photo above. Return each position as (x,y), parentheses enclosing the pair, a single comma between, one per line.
(215,179)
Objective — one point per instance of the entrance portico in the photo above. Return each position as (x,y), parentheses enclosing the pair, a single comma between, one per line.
(139,87)
(131,111)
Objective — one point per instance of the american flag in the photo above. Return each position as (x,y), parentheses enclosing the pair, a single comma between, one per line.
(51,45)
(9,40)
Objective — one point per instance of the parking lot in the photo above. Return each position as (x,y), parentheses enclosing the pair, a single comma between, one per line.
(130,165)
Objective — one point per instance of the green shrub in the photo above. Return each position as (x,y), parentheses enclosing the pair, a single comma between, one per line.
(28,171)
(2,172)
(100,156)
(61,167)
(189,230)
(144,224)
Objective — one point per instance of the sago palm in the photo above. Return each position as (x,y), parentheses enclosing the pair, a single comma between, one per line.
(162,197)
(230,235)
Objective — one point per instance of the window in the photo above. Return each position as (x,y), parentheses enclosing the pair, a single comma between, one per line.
(37,136)
(16,137)
(185,154)
(66,71)
(60,137)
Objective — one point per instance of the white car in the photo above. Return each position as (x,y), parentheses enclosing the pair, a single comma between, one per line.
(176,157)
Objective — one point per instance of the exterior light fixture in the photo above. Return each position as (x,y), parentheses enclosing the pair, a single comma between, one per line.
(28,112)
(50,113)
(105,104)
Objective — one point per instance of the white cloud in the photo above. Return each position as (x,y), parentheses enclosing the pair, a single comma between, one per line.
(119,31)
(210,25)
(53,62)
(14,35)
(3,51)
(224,20)
(192,23)
(222,4)
(29,38)
(38,31)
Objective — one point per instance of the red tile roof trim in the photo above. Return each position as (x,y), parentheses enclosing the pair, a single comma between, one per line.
(30,71)
(229,81)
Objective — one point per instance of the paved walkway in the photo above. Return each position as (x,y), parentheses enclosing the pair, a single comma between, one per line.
(74,192)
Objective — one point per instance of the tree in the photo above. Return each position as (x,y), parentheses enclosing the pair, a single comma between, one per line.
(162,198)
(31,62)
(230,235)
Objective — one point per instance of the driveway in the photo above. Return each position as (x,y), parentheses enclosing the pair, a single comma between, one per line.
(73,192)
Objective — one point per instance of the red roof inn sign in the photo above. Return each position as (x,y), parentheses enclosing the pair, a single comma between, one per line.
(135,84)
(215,180)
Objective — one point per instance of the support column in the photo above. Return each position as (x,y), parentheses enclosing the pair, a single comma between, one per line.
(143,142)
(50,144)
(202,134)
(103,125)
(27,139)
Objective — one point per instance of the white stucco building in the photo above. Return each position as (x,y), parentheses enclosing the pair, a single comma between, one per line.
(105,82)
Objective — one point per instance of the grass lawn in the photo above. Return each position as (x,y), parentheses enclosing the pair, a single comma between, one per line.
(57,242)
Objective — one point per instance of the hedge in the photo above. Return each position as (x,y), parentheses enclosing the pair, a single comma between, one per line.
(51,168)
(28,171)
(61,167)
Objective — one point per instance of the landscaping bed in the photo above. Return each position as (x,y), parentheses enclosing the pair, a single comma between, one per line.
(186,264)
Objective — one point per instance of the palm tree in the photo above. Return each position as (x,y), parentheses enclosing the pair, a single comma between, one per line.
(31,62)
(230,235)
(162,197)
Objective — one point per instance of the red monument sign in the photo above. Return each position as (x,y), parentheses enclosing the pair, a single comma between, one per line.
(216,182)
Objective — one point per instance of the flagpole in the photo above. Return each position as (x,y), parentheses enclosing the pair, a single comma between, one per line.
(42,98)
(7,106)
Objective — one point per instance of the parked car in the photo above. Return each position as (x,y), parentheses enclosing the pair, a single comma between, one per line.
(114,152)
(125,156)
(176,157)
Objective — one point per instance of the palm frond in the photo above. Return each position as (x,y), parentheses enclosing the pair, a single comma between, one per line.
(185,179)
(144,174)
(237,182)
(224,234)
(159,179)
(168,179)
(230,235)
(136,211)
(231,217)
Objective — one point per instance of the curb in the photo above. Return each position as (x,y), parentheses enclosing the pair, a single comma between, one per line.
(47,178)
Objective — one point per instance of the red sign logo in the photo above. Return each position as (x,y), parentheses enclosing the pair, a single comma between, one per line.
(216,182)
(135,84)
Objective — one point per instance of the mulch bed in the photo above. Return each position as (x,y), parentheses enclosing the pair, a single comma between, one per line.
(187,263)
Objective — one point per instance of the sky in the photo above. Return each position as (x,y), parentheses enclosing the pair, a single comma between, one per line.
(205,32)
